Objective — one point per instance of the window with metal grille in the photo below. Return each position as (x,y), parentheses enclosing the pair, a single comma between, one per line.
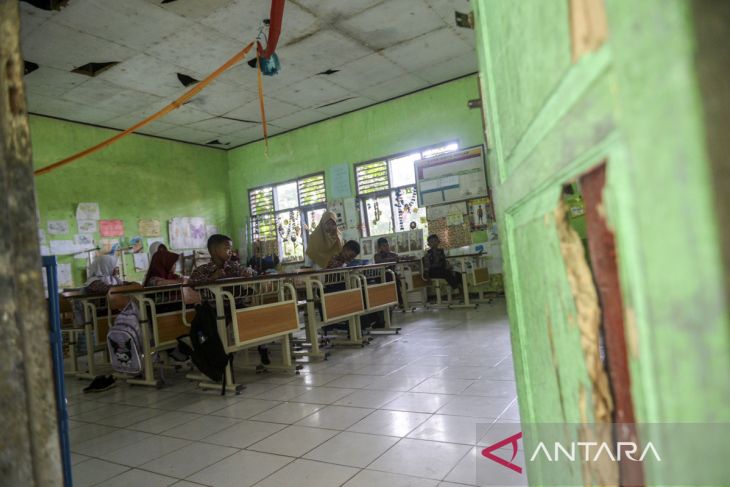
(372,177)
(311,190)
(387,190)
(282,211)
(261,200)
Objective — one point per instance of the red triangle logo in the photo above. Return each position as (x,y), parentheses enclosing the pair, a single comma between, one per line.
(487,452)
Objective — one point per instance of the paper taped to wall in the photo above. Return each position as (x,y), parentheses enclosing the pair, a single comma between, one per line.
(87,211)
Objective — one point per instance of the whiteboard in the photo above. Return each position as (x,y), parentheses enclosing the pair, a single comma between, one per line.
(456,176)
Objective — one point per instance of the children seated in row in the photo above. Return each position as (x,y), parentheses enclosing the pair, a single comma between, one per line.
(221,265)
(349,251)
(436,266)
(161,271)
(103,274)
(262,264)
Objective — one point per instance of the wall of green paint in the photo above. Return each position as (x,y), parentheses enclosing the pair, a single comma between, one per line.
(635,104)
(428,117)
(138,177)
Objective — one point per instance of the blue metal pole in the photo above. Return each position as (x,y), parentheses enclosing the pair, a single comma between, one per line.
(54,318)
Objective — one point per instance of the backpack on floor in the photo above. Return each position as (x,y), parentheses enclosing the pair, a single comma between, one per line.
(205,346)
(124,341)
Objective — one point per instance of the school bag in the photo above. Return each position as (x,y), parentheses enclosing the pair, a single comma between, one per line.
(124,341)
(205,346)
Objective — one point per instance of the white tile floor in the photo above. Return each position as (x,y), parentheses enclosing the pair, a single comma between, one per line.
(400,412)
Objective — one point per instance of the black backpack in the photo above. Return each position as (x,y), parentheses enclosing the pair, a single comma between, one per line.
(205,347)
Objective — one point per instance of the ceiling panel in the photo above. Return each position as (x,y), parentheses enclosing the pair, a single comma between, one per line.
(376,50)
(149,74)
(58,46)
(197,48)
(252,111)
(298,119)
(365,72)
(428,49)
(132,23)
(392,22)
(312,93)
(321,51)
(51,81)
(194,10)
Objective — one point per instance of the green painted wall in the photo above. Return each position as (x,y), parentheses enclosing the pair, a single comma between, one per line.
(635,104)
(138,177)
(428,117)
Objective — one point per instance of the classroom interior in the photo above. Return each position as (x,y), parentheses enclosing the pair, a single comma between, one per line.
(569,155)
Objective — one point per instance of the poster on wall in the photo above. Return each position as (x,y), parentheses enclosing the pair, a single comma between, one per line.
(187,233)
(87,226)
(57,227)
(149,227)
(136,244)
(456,176)
(111,228)
(108,246)
(87,211)
(141,262)
(339,181)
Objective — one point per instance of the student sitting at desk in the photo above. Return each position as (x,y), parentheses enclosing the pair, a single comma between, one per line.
(384,255)
(262,264)
(349,251)
(162,269)
(103,274)
(436,266)
(220,265)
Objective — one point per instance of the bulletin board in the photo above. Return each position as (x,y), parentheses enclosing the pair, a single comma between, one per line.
(456,176)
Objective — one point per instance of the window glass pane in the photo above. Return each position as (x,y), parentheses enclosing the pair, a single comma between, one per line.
(261,200)
(313,218)
(263,227)
(405,208)
(440,150)
(371,177)
(286,196)
(401,170)
(312,191)
(379,215)
(289,233)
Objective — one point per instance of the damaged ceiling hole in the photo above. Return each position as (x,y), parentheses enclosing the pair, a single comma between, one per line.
(329,72)
(167,1)
(216,142)
(94,69)
(29,67)
(186,80)
(48,4)
(239,119)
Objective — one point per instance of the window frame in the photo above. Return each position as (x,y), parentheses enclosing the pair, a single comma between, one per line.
(303,210)
(361,197)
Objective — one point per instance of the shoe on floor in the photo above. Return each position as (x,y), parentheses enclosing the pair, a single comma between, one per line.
(100,383)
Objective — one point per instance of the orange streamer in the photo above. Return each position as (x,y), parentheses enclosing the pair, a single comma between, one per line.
(172,106)
(261,103)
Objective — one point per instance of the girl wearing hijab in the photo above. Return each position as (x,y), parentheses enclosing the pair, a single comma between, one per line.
(162,268)
(103,273)
(325,241)
(155,246)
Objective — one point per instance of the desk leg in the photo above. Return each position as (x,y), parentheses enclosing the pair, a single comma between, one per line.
(90,363)
(465,287)
(388,329)
(312,327)
(72,357)
(149,373)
